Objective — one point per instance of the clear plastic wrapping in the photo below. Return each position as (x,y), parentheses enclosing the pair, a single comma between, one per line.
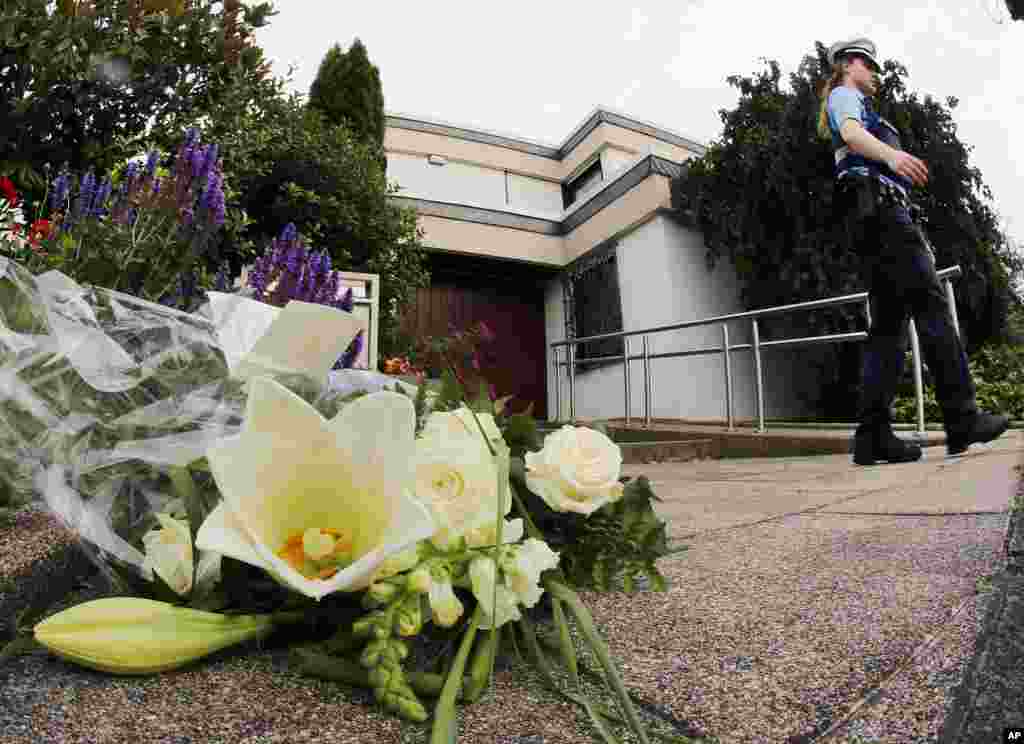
(108,403)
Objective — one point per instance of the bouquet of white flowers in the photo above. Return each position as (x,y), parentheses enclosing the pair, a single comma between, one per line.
(231,485)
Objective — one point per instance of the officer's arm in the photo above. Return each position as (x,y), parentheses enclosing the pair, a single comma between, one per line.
(862,142)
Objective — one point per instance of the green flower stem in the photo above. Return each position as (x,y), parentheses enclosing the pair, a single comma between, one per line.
(544,667)
(481,667)
(288,617)
(589,630)
(531,528)
(568,650)
(444,729)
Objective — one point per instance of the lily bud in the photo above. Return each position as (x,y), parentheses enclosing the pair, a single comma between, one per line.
(130,635)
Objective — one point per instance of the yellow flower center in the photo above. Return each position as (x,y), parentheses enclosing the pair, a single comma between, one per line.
(317,552)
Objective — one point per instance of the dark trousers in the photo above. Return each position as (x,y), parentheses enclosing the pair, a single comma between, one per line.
(899,270)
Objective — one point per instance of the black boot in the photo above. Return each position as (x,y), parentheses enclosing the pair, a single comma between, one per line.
(966,429)
(879,443)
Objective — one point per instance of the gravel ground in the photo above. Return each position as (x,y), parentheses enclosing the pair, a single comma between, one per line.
(756,647)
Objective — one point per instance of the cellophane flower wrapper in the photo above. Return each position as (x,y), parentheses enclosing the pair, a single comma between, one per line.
(106,399)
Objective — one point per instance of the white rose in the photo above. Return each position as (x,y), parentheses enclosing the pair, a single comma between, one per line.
(458,478)
(577,470)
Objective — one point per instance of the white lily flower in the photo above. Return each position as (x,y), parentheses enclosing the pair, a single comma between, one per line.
(318,504)
(169,555)
(499,603)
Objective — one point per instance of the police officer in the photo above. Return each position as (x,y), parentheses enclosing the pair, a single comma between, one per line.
(874,177)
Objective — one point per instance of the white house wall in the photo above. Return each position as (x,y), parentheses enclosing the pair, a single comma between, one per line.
(455,182)
(534,195)
(664,279)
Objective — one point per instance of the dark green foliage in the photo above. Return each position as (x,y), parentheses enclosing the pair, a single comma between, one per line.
(762,195)
(998,373)
(610,549)
(347,91)
(287,164)
(77,88)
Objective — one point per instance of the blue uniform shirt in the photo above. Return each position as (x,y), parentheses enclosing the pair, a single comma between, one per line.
(848,103)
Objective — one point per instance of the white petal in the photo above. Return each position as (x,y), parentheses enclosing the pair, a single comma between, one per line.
(240,322)
(221,533)
(274,409)
(305,338)
(376,434)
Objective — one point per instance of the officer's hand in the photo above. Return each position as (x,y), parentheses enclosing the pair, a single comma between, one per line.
(906,165)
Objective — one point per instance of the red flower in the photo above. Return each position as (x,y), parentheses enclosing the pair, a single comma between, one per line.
(40,230)
(8,191)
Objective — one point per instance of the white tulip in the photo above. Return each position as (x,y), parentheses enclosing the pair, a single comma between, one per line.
(577,470)
(290,474)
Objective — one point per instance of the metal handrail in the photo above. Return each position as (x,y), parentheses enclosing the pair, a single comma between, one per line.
(945,275)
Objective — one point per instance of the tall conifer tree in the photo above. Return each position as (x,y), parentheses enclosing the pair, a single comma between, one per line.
(347,91)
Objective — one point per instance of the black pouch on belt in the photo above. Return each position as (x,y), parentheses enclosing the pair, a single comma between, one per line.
(860,196)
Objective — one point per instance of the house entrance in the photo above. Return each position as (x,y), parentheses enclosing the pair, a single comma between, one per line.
(509,298)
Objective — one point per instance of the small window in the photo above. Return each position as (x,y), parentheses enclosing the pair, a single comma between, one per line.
(594,306)
(590,177)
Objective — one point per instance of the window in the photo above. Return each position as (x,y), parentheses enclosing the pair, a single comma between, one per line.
(593,304)
(590,177)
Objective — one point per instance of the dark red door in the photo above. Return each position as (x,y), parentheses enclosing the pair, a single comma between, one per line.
(513,310)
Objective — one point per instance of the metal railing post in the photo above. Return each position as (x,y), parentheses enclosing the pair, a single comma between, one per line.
(557,384)
(728,375)
(571,349)
(625,372)
(951,297)
(758,378)
(757,347)
(915,347)
(647,380)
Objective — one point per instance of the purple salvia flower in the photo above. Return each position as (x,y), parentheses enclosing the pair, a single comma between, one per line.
(102,194)
(60,191)
(351,353)
(191,136)
(221,282)
(151,163)
(326,266)
(85,195)
(289,233)
(156,186)
(329,289)
(217,204)
(346,301)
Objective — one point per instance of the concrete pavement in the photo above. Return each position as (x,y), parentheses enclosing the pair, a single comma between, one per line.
(816,601)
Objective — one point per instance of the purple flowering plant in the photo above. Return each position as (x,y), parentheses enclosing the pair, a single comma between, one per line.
(143,230)
(288,270)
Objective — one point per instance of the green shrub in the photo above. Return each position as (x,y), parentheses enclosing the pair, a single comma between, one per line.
(998,373)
